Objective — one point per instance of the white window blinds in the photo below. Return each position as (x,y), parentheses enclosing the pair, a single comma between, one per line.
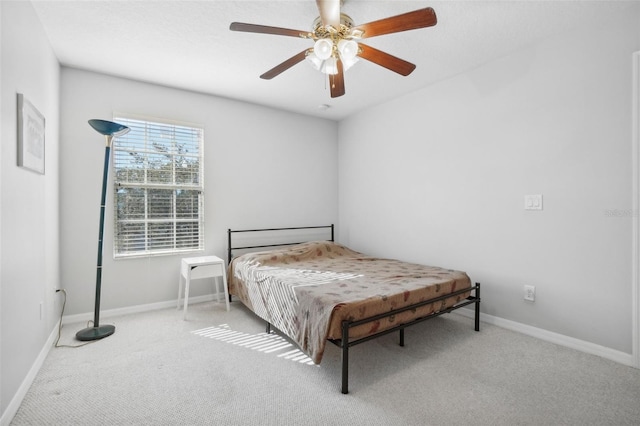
(158,188)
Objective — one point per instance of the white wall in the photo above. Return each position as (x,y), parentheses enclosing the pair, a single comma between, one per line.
(439,177)
(29,203)
(436,177)
(263,168)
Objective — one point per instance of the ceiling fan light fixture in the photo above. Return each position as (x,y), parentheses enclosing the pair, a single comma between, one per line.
(348,49)
(327,66)
(323,48)
(348,63)
(313,59)
(330,66)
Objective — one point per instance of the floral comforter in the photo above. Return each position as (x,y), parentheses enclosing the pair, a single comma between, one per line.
(307,290)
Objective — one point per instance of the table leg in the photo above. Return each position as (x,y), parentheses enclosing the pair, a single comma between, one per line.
(186,294)
(179,290)
(217,282)
(226,289)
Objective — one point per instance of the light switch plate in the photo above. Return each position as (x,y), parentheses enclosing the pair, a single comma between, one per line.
(533,202)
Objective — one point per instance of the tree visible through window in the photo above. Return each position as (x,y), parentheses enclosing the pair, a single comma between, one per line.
(158,188)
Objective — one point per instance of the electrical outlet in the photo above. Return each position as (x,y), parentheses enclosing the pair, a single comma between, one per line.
(533,202)
(530,293)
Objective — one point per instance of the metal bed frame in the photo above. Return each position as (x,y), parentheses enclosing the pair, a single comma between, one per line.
(345,343)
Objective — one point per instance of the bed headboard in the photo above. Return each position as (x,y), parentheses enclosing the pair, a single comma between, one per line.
(232,232)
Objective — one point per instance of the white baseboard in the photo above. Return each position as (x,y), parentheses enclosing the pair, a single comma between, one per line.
(558,339)
(88,316)
(14,405)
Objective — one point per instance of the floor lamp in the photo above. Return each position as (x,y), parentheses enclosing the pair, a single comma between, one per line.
(109,130)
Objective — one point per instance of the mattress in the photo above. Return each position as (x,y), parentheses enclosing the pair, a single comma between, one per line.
(307,290)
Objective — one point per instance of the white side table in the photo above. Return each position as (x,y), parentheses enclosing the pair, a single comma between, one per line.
(201,267)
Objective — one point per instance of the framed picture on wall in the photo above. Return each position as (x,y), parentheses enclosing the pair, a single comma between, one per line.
(30,136)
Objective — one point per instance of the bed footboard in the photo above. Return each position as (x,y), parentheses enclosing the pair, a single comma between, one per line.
(344,343)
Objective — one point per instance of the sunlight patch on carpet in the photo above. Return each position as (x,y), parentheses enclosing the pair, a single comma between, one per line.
(261,342)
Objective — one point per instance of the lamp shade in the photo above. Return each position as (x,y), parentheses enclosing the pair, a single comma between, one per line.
(313,59)
(108,128)
(330,66)
(323,48)
(348,49)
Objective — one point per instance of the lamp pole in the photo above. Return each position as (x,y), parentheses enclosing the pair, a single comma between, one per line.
(109,130)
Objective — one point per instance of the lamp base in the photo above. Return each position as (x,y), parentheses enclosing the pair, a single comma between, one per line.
(95,333)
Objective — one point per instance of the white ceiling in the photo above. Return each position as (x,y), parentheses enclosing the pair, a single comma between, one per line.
(188,44)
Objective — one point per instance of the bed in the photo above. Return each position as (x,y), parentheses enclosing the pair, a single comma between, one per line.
(321,291)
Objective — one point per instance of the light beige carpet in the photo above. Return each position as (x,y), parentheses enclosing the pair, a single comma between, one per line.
(215,369)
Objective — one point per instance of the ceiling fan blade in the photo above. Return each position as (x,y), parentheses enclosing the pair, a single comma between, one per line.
(279,69)
(264,29)
(336,81)
(407,21)
(329,12)
(386,60)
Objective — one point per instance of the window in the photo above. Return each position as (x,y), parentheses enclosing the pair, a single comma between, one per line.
(158,188)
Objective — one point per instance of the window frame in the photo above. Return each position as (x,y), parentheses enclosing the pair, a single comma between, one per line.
(146,187)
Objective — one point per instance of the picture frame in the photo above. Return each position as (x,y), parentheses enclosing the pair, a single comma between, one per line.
(31,131)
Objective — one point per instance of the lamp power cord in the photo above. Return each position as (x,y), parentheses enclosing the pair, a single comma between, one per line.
(90,322)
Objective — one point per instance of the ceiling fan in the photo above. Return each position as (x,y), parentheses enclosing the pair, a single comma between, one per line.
(337,43)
